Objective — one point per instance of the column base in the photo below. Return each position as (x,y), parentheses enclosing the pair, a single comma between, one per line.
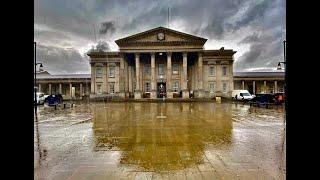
(137,94)
(185,94)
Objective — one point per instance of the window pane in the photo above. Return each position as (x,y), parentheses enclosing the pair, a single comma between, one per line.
(147,87)
(99,72)
(224,70)
(111,71)
(147,69)
(224,87)
(161,69)
(212,87)
(212,72)
(175,69)
(175,86)
(111,88)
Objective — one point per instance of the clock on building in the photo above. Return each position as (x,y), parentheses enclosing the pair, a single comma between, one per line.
(160,36)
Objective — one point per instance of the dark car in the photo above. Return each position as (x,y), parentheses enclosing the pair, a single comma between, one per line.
(263,99)
(54,99)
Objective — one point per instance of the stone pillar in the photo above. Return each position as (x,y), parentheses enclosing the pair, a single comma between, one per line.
(93,81)
(169,72)
(126,72)
(122,78)
(200,76)
(275,86)
(185,91)
(153,77)
(81,90)
(254,87)
(60,88)
(49,89)
(39,87)
(137,92)
(242,85)
(130,79)
(70,90)
(265,86)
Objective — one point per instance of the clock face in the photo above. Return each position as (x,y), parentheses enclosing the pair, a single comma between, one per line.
(160,36)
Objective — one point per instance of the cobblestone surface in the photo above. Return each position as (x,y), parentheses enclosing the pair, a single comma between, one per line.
(196,140)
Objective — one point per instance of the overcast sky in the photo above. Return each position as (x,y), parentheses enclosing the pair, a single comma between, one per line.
(64,29)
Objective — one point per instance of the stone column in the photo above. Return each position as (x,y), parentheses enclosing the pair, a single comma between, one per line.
(242,85)
(153,77)
(130,79)
(200,78)
(70,90)
(93,81)
(275,86)
(169,72)
(137,92)
(254,87)
(60,88)
(185,91)
(39,87)
(126,70)
(49,89)
(265,86)
(121,78)
(81,90)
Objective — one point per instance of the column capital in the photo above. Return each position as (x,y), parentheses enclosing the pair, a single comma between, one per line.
(169,53)
(200,53)
(136,54)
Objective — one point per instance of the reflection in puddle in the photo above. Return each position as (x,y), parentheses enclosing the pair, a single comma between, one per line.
(161,136)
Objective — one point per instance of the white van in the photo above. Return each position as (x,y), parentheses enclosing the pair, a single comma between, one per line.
(241,95)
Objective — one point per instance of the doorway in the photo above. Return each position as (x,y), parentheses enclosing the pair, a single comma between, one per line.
(161,90)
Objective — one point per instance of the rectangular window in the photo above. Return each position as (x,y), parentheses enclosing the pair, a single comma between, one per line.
(175,86)
(212,87)
(147,87)
(146,69)
(111,88)
(161,69)
(211,71)
(99,72)
(99,88)
(175,69)
(224,70)
(111,71)
(224,87)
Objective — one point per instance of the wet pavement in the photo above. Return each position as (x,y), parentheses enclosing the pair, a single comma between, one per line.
(198,140)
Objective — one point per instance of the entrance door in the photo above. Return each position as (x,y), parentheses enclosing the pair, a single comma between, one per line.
(161,90)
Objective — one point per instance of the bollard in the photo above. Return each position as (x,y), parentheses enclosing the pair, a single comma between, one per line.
(55,107)
(64,105)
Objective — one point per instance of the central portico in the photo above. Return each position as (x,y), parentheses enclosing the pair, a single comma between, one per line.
(160,63)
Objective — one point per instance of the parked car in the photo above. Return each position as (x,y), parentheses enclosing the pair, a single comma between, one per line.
(263,99)
(54,99)
(241,95)
(40,97)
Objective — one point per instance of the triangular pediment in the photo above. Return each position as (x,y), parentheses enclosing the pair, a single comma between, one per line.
(160,35)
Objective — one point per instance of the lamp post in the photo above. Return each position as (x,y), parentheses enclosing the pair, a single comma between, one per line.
(35,75)
(285,71)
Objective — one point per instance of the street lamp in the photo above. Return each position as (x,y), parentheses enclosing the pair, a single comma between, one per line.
(35,75)
(285,71)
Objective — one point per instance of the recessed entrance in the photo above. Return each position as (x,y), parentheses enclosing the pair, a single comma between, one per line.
(161,90)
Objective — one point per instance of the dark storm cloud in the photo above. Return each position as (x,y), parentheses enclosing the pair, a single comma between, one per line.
(107,27)
(257,24)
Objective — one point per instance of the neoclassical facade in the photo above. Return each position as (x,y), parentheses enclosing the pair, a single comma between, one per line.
(162,62)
